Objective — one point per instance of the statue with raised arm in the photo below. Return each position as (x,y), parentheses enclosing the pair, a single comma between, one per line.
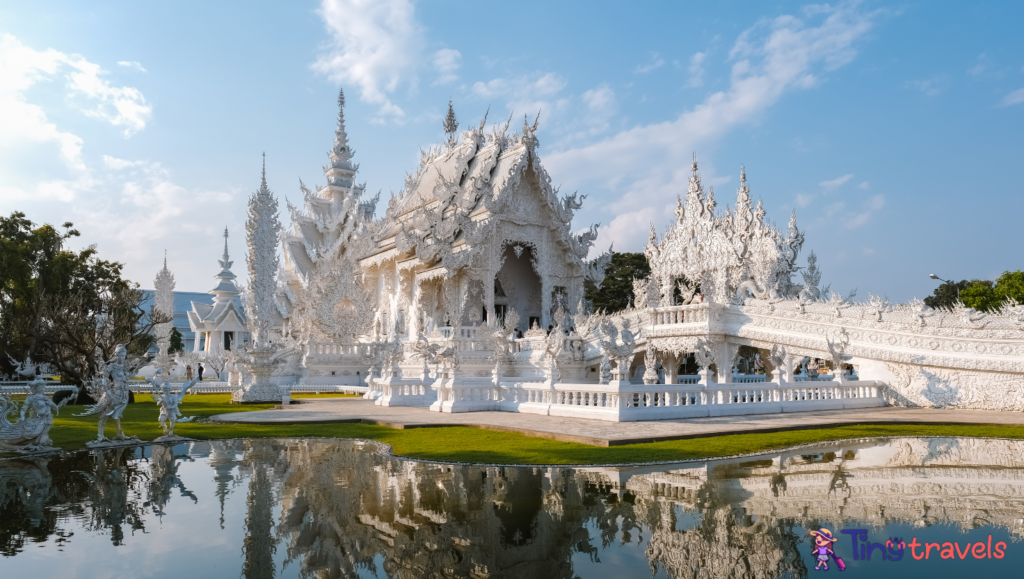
(110,387)
(31,432)
(168,402)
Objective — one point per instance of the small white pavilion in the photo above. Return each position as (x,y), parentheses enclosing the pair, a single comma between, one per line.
(222,323)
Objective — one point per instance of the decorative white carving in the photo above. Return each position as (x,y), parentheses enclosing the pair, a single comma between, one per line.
(109,386)
(31,432)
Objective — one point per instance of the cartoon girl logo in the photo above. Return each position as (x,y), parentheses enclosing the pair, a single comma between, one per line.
(823,541)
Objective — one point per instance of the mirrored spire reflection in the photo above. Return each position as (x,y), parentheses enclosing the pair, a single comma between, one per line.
(324,508)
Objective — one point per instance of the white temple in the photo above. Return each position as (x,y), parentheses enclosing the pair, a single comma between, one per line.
(222,324)
(426,306)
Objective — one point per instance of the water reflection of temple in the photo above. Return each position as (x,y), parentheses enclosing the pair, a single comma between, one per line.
(335,508)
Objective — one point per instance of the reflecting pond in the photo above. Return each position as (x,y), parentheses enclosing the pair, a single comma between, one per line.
(335,508)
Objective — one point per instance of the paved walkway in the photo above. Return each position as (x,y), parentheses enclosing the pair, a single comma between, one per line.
(601,433)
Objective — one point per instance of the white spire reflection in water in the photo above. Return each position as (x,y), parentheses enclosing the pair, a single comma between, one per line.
(333,508)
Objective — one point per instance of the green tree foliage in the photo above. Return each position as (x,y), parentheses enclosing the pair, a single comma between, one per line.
(982,295)
(59,305)
(946,295)
(617,290)
(1010,285)
(979,295)
(177,345)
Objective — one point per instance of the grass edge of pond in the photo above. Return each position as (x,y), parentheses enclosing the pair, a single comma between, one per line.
(461,444)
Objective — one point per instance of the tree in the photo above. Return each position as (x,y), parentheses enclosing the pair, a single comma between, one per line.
(78,330)
(59,305)
(177,345)
(980,295)
(946,295)
(1010,285)
(616,293)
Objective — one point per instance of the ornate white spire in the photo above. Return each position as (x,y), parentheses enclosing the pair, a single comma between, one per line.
(451,125)
(226,289)
(340,136)
(225,261)
(164,302)
(262,231)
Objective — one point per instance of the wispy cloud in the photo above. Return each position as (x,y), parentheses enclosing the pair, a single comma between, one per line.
(871,207)
(374,44)
(656,62)
(697,69)
(835,183)
(932,86)
(447,63)
(649,162)
(1014,98)
(131,64)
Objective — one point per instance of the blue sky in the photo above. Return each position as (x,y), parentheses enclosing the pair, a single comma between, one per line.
(893,129)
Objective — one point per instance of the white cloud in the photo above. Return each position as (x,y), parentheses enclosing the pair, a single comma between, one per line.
(374,43)
(931,86)
(656,62)
(135,210)
(835,183)
(447,63)
(132,64)
(526,93)
(1014,98)
(870,208)
(120,106)
(804,200)
(25,123)
(865,185)
(118,164)
(697,69)
(650,163)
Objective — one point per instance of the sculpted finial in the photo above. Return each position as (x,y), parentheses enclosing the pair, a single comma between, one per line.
(483,123)
(263,181)
(451,124)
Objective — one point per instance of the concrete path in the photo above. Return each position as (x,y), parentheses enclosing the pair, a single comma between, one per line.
(599,432)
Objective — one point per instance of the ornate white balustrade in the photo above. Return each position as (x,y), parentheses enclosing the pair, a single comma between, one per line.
(688,314)
(652,402)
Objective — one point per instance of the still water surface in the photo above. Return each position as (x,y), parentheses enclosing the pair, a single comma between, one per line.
(333,508)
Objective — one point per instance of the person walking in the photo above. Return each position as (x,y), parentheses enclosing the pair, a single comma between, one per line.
(200,372)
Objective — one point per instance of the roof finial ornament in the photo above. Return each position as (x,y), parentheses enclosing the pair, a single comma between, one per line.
(263,183)
(693,167)
(483,123)
(536,120)
(451,124)
(743,175)
(165,259)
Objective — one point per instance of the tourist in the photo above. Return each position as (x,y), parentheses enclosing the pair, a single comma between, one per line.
(519,334)
(550,327)
(188,372)
(200,366)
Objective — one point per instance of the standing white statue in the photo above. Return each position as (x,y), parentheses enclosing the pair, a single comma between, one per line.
(31,432)
(110,387)
(168,402)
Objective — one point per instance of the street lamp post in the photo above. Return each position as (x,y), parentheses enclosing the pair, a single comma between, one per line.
(933,276)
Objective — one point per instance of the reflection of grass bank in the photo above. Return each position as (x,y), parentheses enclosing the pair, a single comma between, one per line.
(461,444)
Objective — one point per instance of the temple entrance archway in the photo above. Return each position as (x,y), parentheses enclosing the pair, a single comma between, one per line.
(517,284)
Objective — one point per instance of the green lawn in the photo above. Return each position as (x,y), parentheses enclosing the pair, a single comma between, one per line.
(461,444)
